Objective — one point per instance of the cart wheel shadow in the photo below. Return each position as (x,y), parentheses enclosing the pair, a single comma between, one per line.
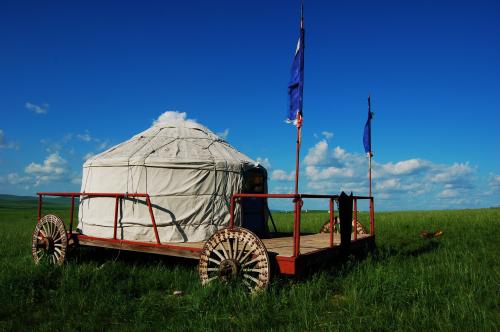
(101,256)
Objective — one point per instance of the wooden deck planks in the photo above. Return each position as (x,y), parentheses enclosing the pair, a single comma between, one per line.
(281,246)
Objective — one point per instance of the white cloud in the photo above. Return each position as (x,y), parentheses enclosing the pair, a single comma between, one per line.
(283,189)
(451,174)
(405,167)
(76,180)
(37,108)
(15,179)
(339,153)
(84,137)
(224,134)
(495,181)
(281,175)
(448,193)
(327,134)
(172,117)
(103,145)
(88,156)
(317,174)
(53,168)
(317,154)
(413,183)
(264,162)
(53,164)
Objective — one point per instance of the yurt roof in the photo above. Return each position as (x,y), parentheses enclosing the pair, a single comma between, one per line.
(177,144)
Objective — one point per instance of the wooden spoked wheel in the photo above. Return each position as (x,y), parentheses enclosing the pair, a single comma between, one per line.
(235,254)
(49,240)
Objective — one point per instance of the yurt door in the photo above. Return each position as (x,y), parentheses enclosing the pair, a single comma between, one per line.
(254,209)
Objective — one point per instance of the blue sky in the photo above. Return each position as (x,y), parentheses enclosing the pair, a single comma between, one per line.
(78,77)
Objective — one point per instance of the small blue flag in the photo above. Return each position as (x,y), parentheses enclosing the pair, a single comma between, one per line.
(367,136)
(296,85)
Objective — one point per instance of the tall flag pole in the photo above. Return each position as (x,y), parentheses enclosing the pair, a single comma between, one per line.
(296,91)
(367,142)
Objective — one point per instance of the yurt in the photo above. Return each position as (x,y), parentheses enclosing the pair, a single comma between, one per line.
(190,174)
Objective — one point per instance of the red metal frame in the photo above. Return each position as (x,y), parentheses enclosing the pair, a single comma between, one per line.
(118,197)
(287,265)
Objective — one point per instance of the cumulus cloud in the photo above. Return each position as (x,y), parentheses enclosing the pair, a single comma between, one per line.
(326,173)
(411,183)
(327,134)
(281,175)
(38,109)
(318,154)
(451,174)
(15,179)
(54,167)
(410,166)
(264,162)
(172,117)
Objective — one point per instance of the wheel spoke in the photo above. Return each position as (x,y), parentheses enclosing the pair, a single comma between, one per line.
(226,256)
(247,284)
(255,270)
(257,259)
(235,248)
(210,279)
(242,251)
(251,278)
(57,239)
(44,226)
(245,257)
(215,251)
(212,269)
(214,261)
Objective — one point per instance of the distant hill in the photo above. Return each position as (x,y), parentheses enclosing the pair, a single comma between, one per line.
(25,202)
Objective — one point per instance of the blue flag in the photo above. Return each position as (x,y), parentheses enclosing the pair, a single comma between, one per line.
(367,136)
(296,85)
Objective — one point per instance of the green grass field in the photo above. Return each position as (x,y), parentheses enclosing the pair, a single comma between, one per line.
(408,283)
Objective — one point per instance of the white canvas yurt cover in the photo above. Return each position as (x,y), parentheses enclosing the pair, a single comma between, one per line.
(189,173)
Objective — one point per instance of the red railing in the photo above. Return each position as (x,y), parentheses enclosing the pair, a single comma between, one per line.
(117,196)
(298,202)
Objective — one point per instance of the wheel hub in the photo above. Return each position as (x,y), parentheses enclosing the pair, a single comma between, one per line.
(47,243)
(228,269)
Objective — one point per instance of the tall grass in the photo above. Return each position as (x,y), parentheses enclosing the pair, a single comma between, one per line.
(408,283)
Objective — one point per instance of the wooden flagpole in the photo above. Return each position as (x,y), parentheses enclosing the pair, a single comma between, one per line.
(297,154)
(370,172)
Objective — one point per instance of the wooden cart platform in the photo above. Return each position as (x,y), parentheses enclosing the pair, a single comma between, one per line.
(279,247)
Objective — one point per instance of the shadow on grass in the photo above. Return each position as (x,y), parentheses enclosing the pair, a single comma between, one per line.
(104,255)
(334,267)
(405,248)
(343,265)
